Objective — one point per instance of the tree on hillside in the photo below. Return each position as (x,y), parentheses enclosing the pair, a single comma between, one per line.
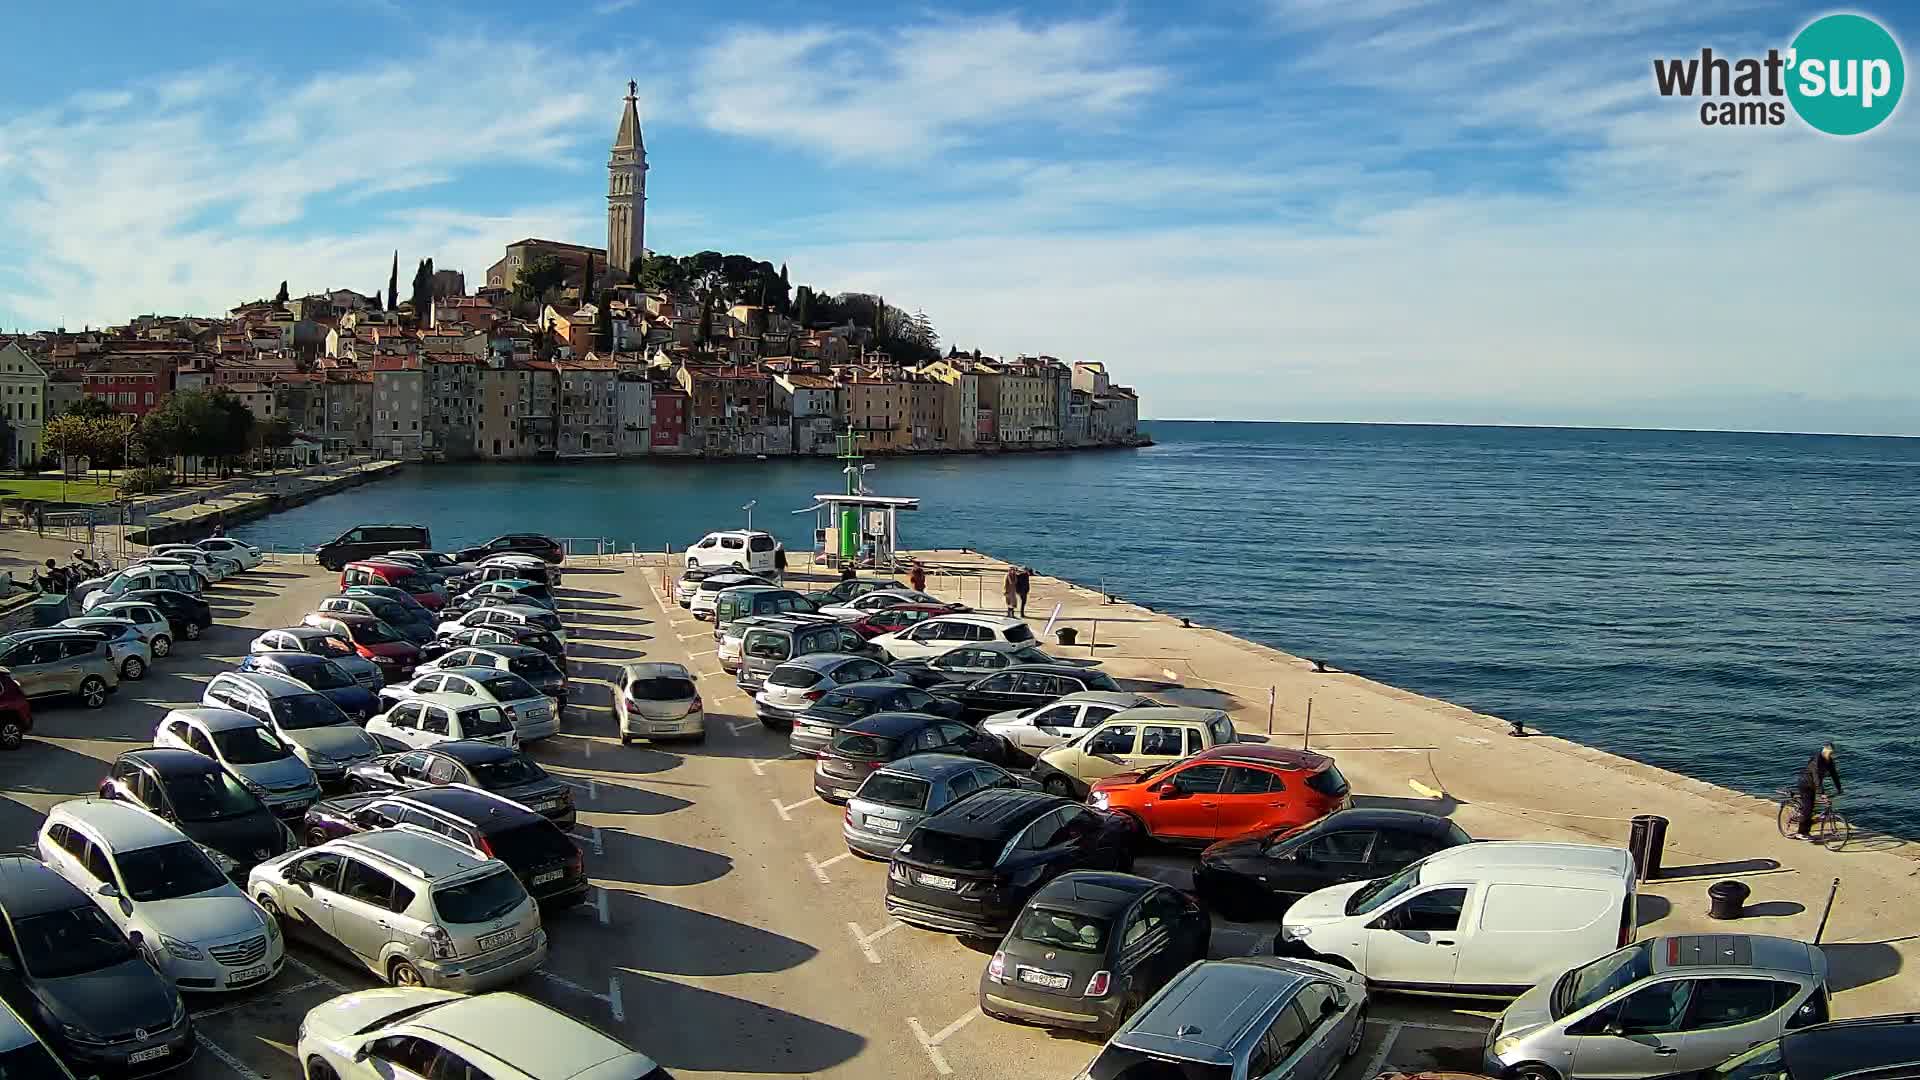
(540,278)
(423,293)
(376,299)
(91,407)
(802,305)
(603,328)
(280,298)
(67,437)
(393,283)
(663,273)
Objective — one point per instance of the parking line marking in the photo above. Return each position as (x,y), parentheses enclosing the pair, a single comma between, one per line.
(1380,1056)
(1421,1025)
(690,637)
(932,1045)
(220,1052)
(613,1000)
(1422,789)
(759,767)
(785,810)
(703,652)
(235,1005)
(865,941)
(591,785)
(715,675)
(316,975)
(820,868)
(742,726)
(593,837)
(600,905)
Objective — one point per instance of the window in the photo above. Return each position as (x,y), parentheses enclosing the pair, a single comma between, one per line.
(1312,1001)
(1198,779)
(368,885)
(405,716)
(1725,1002)
(1654,1010)
(1282,1039)
(1434,911)
(322,870)
(1244,781)
(408,1052)
(97,865)
(1056,716)
(1043,833)
(1160,741)
(1339,847)
(928,739)
(1114,740)
(1195,743)
(1399,848)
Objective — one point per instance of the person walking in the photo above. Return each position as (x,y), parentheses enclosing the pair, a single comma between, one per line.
(1023,581)
(1009,589)
(780,563)
(1820,768)
(917,577)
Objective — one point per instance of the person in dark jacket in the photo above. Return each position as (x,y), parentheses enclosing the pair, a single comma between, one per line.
(917,577)
(1022,581)
(1819,768)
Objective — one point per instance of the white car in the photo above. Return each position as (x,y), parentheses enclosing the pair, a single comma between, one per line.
(249,750)
(878,600)
(154,575)
(132,653)
(497,614)
(416,1031)
(162,891)
(534,715)
(1034,730)
(143,615)
(431,719)
(212,567)
(924,640)
(321,642)
(245,555)
(750,551)
(707,593)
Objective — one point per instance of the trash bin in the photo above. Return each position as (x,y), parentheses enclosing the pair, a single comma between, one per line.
(1727,899)
(1647,841)
(1066,634)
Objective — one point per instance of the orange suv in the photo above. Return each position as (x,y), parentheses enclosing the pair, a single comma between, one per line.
(1227,791)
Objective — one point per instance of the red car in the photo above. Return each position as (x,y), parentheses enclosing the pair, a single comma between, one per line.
(898,617)
(374,640)
(16,716)
(1227,791)
(399,575)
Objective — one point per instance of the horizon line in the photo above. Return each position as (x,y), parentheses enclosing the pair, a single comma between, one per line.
(1536,427)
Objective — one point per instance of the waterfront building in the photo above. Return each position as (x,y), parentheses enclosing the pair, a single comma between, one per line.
(877,409)
(671,408)
(23,401)
(634,411)
(958,424)
(505,274)
(398,393)
(452,404)
(134,385)
(589,407)
(730,408)
(816,404)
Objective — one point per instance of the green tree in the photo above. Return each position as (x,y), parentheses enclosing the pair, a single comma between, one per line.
(663,273)
(393,284)
(6,442)
(603,328)
(280,298)
(539,278)
(423,292)
(91,407)
(802,305)
(67,437)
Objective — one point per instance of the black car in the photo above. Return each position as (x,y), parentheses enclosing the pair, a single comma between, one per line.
(70,971)
(515,544)
(1025,686)
(187,615)
(501,770)
(497,634)
(1257,876)
(1090,948)
(815,726)
(1871,1048)
(546,674)
(532,846)
(367,541)
(203,800)
(869,743)
(321,675)
(976,660)
(970,868)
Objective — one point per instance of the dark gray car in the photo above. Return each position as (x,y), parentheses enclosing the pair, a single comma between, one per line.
(893,800)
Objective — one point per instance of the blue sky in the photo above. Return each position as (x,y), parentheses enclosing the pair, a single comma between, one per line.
(1393,210)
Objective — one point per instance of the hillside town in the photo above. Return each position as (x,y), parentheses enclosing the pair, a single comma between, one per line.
(574,352)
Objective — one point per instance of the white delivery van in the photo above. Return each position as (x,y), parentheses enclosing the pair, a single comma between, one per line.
(736,548)
(1487,918)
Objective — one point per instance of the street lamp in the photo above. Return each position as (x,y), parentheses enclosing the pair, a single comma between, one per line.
(751,503)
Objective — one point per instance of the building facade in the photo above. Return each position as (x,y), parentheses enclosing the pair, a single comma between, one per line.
(398,403)
(23,402)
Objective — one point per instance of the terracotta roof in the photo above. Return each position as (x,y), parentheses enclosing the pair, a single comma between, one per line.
(247,388)
(396,363)
(451,358)
(813,382)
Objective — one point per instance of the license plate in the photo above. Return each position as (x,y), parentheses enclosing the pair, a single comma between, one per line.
(842,793)
(551,875)
(139,1056)
(665,725)
(1041,978)
(257,971)
(299,805)
(498,938)
(550,804)
(937,881)
(880,824)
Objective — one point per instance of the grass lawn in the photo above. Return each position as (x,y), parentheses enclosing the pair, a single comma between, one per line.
(78,491)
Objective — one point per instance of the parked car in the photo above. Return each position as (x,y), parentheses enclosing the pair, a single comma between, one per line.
(73,972)
(162,891)
(889,620)
(320,675)
(766,642)
(531,615)
(141,578)
(868,603)
(942,633)
(249,750)
(413,907)
(973,661)
(659,700)
(749,601)
(850,589)
(970,868)
(405,620)
(1090,948)
(366,541)
(792,686)
(374,640)
(546,547)
(1227,791)
(1031,731)
(188,615)
(750,551)
(126,643)
(16,713)
(529,663)
(1666,1005)
(534,716)
(489,767)
(241,553)
(498,634)
(319,642)
(438,562)
(152,623)
(509,568)
(815,727)
(730,640)
(688,583)
(430,719)
(399,596)
(1863,1049)
(878,740)
(1489,918)
(209,566)
(426,587)
(231,824)
(547,863)
(895,798)
(421,1032)
(320,734)
(1255,876)
(1128,740)
(1245,1017)
(1025,686)
(514,590)
(61,663)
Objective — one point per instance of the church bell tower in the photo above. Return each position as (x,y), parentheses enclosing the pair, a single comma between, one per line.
(627,189)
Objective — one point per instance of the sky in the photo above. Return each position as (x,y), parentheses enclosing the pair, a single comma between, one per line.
(1361,210)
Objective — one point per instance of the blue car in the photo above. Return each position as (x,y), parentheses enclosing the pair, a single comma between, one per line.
(322,676)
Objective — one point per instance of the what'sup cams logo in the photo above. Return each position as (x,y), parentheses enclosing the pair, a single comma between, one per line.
(1842,75)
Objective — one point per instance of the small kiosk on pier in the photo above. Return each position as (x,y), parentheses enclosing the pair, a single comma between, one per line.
(857,528)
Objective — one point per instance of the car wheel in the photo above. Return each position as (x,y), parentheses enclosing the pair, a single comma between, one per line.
(1057,785)
(135,668)
(11,734)
(93,691)
(402,973)
(1532,1070)
(626,740)
(193,631)
(320,1070)
(316,837)
(1359,1036)
(162,644)
(267,905)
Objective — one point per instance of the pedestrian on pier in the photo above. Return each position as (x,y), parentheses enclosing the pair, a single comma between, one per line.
(1023,581)
(1009,589)
(1820,768)
(917,577)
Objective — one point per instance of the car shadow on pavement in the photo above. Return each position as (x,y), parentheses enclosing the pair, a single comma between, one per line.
(681,941)
(1851,965)
(43,768)
(607,797)
(644,860)
(704,1031)
(579,623)
(577,650)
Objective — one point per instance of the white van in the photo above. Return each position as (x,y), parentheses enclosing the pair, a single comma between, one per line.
(1487,918)
(749,551)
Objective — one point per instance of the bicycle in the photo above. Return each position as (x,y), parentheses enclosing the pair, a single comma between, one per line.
(1830,828)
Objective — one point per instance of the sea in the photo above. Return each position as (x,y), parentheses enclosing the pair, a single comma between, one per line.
(1713,603)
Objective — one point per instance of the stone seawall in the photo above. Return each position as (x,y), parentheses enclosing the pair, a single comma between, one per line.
(197,520)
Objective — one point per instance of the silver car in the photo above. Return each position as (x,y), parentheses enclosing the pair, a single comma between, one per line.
(1663,1006)
(321,642)
(894,799)
(143,615)
(534,715)
(659,700)
(793,686)
(55,663)
(126,642)
(249,750)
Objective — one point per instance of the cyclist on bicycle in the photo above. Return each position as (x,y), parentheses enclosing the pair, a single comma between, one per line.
(1819,767)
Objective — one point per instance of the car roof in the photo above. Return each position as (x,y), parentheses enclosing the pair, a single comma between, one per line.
(1070,671)
(737,532)
(122,826)
(930,766)
(468,804)
(1123,698)
(470,752)
(1751,951)
(30,887)
(215,719)
(471,671)
(169,761)
(787,621)
(875,688)
(526,1034)
(271,685)
(1524,857)
(1413,821)
(998,622)
(417,849)
(1208,1009)
(1275,757)
(44,633)
(507,650)
(820,661)
(1845,1047)
(654,669)
(451,699)
(1095,892)
(301,631)
(290,658)
(995,812)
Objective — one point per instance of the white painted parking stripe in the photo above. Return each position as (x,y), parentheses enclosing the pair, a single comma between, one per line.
(1380,1056)
(865,941)
(590,785)
(316,975)
(742,726)
(220,1052)
(760,767)
(932,1045)
(785,810)
(207,1014)
(593,837)
(715,675)
(600,905)
(820,868)
(704,652)
(1421,1025)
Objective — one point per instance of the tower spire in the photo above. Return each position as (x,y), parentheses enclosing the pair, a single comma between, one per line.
(627,188)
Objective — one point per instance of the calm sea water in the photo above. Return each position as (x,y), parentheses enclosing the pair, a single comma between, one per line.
(1711,603)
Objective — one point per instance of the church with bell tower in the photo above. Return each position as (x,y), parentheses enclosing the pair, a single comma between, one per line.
(627,189)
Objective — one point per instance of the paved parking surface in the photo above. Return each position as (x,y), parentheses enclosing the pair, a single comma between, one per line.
(729,934)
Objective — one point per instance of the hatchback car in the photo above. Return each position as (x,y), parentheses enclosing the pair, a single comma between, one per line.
(767,641)
(898,617)
(216,811)
(867,603)
(529,663)
(500,615)
(61,663)
(894,799)
(126,642)
(320,675)
(1248,1017)
(1870,1048)
(872,742)
(944,633)
(534,715)
(707,593)
(689,582)
(396,594)
(249,750)
(1259,875)
(1090,948)
(1662,1006)
(160,888)
(1032,731)
(407,621)
(187,614)
(546,547)
(319,642)
(102,1006)
(970,868)
(548,864)
(426,587)
(1227,791)
(795,685)
(144,577)
(1025,686)
(507,773)
(503,634)
(413,907)
(815,726)
(844,591)
(148,618)
(973,661)
(659,701)
(512,590)
(1132,739)
(373,639)
(241,553)
(429,719)
(320,734)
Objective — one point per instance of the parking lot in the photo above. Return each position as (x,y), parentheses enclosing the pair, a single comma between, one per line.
(729,932)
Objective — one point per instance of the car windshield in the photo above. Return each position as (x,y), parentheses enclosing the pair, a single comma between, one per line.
(60,943)
(793,676)
(1329,782)
(505,686)
(249,746)
(1019,632)
(31,1061)
(1055,927)
(1123,1063)
(210,796)
(667,688)
(892,789)
(533,667)
(1581,987)
(545,619)
(861,745)
(167,871)
(327,676)
(486,720)
(953,850)
(480,900)
(329,646)
(507,772)
(298,712)
(373,633)
(1380,890)
(1028,654)
(848,704)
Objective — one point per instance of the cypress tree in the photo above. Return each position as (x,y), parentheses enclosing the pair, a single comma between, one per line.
(393,283)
